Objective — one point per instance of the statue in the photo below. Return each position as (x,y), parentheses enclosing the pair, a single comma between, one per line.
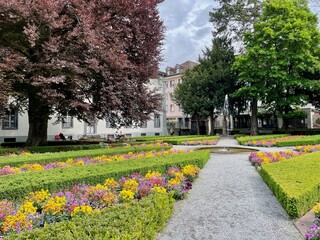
(225,116)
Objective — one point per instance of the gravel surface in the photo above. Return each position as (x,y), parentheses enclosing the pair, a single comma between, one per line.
(229,200)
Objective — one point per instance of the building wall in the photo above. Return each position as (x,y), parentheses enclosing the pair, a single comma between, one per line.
(79,128)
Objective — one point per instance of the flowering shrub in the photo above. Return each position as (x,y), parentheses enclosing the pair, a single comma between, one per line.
(201,142)
(41,207)
(269,142)
(314,231)
(259,158)
(308,148)
(34,167)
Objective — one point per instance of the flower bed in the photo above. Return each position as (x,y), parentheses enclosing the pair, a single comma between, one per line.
(262,158)
(314,231)
(308,148)
(303,140)
(35,167)
(269,142)
(180,141)
(64,156)
(18,185)
(245,139)
(41,208)
(200,142)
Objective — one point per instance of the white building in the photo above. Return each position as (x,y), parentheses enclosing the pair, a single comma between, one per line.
(14,127)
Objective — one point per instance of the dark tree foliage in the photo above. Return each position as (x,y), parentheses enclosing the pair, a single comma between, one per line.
(89,59)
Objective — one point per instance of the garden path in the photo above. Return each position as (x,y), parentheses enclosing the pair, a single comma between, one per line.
(229,200)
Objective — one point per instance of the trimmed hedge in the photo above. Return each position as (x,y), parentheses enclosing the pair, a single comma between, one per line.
(295,182)
(15,187)
(135,220)
(155,138)
(4,151)
(305,140)
(63,156)
(242,140)
(179,141)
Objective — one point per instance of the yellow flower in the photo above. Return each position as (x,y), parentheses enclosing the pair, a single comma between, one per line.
(80,162)
(190,170)
(81,209)
(54,206)
(174,182)
(126,195)
(111,183)
(69,160)
(153,174)
(25,153)
(131,185)
(316,208)
(19,221)
(159,190)
(28,207)
(40,196)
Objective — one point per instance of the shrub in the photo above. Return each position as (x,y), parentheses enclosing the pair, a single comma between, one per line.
(179,140)
(295,183)
(4,151)
(134,220)
(15,187)
(304,140)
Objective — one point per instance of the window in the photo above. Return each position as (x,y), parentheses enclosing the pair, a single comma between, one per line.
(67,122)
(172,96)
(143,134)
(166,84)
(91,129)
(172,83)
(156,120)
(157,134)
(108,124)
(171,107)
(10,120)
(144,125)
(179,81)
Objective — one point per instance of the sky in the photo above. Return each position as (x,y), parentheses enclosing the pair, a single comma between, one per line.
(188,30)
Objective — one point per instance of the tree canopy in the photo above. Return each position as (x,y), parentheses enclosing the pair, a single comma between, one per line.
(89,59)
(209,82)
(282,57)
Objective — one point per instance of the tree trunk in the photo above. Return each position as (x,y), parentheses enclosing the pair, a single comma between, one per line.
(254,117)
(212,122)
(198,125)
(38,114)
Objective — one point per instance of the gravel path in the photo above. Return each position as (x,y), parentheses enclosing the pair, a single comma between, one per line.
(229,200)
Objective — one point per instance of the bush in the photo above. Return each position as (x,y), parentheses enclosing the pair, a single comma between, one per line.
(135,220)
(15,187)
(305,140)
(4,151)
(296,183)
(164,138)
(63,156)
(179,141)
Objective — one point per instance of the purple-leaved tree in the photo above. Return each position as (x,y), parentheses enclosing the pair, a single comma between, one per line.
(91,59)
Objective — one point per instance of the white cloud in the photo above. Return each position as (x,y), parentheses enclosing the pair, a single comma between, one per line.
(188,30)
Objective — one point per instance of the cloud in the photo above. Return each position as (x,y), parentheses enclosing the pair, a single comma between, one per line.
(188,30)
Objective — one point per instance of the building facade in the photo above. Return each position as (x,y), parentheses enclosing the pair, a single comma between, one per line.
(14,127)
(175,116)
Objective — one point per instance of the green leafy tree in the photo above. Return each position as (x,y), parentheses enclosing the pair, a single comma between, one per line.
(279,53)
(212,80)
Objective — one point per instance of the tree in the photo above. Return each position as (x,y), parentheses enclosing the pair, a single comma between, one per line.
(188,94)
(232,19)
(211,80)
(89,59)
(282,49)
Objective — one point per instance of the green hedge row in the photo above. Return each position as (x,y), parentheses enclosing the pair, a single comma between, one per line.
(136,220)
(243,140)
(15,187)
(179,141)
(4,151)
(155,138)
(63,156)
(296,182)
(305,140)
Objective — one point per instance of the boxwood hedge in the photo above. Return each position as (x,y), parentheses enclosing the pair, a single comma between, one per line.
(304,140)
(135,220)
(63,156)
(295,182)
(178,141)
(15,187)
